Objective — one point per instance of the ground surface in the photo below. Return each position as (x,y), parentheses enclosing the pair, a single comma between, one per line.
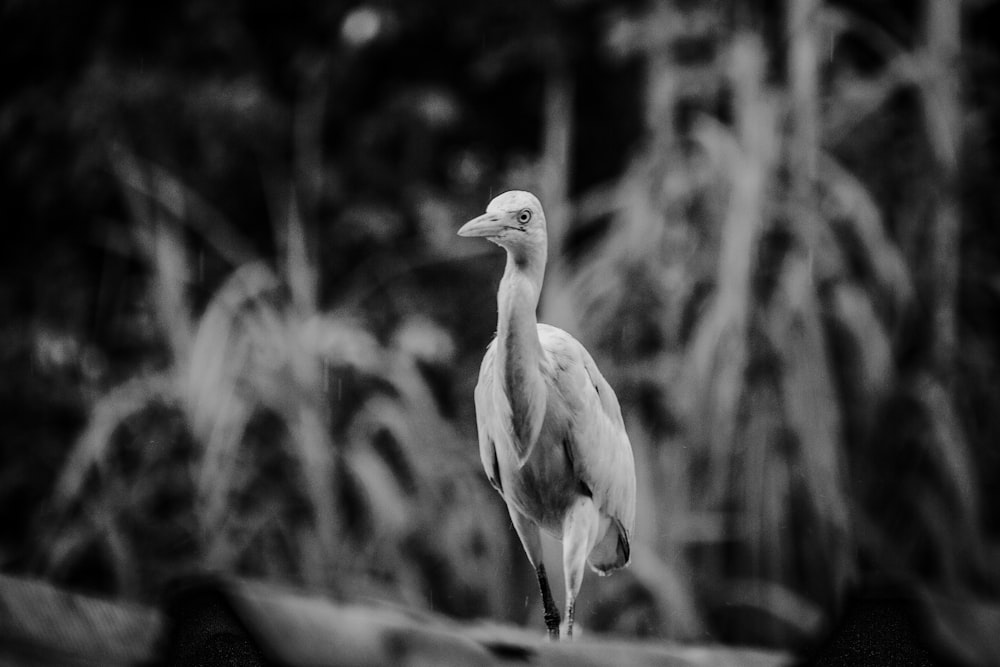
(219,622)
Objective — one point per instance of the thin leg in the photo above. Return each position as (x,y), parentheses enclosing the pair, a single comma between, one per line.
(549,604)
(532,543)
(579,535)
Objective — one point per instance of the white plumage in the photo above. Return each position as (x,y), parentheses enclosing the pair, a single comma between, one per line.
(551,436)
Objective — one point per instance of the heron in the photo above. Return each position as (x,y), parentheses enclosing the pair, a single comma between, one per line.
(551,436)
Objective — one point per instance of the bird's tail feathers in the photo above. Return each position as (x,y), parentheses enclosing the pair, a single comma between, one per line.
(612,552)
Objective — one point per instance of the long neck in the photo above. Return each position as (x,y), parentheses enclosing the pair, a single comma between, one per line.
(519,352)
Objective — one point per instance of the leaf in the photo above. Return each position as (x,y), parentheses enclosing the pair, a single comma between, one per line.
(91,449)
(808,393)
(872,346)
(672,595)
(846,201)
(421,339)
(948,446)
(963,625)
(785,604)
(390,510)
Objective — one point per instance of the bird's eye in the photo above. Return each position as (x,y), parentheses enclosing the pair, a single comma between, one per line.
(524,216)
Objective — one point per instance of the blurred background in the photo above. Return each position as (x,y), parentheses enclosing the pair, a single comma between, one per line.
(240,336)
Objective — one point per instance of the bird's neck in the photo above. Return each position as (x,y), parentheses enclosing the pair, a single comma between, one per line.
(519,351)
(517,301)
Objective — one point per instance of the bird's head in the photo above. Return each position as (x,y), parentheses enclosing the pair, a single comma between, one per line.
(515,222)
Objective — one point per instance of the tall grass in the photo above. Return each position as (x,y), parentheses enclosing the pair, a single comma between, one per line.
(759,308)
(276,439)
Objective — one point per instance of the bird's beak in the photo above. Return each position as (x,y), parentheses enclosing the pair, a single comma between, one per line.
(488,225)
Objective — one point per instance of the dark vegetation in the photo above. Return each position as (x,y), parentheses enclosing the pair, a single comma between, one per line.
(239,334)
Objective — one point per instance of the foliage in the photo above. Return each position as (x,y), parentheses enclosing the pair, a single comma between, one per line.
(280,441)
(242,337)
(763,306)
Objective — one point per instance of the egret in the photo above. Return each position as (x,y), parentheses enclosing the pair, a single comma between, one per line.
(551,436)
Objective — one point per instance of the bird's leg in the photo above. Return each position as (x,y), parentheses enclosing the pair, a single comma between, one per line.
(551,610)
(570,609)
(580,526)
(532,543)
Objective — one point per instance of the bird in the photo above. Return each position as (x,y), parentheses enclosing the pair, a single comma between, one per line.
(552,440)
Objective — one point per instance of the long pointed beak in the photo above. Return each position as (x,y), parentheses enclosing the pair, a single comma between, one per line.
(488,224)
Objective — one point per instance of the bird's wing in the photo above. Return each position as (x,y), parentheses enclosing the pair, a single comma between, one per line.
(597,443)
(485,417)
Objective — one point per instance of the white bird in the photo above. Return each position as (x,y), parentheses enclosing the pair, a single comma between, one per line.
(551,435)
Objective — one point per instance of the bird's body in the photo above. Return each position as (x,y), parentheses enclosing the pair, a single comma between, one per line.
(574,453)
(551,436)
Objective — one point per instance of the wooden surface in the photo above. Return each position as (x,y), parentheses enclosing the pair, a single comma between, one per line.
(243,623)
(234,622)
(294,630)
(42,625)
